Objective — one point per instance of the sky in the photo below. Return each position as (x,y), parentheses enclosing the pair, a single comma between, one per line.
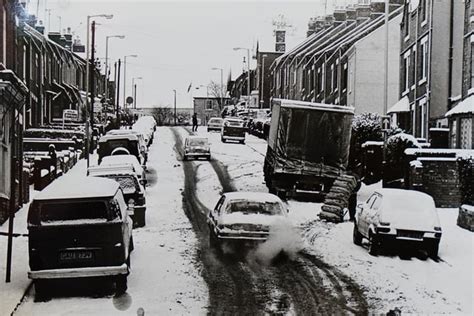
(179,42)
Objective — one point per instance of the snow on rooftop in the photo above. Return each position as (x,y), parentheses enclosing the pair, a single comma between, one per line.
(466,106)
(458,153)
(402,105)
(372,143)
(68,188)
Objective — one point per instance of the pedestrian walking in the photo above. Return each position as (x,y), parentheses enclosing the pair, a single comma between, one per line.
(195,122)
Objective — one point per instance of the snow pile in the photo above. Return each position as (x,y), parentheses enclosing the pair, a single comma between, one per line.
(284,238)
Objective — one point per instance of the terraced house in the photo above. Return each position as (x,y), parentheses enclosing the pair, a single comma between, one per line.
(430,63)
(341,60)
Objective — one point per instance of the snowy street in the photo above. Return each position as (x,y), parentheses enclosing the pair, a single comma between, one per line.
(174,271)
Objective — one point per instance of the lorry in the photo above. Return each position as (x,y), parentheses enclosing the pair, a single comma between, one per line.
(308,153)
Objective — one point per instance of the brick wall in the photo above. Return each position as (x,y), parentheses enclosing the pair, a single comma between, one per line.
(439,178)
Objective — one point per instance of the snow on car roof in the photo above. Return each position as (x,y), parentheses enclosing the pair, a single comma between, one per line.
(253,196)
(123,132)
(125,169)
(120,159)
(107,137)
(68,188)
(196,137)
(400,198)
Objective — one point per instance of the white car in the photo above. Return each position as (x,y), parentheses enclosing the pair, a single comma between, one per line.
(396,215)
(126,160)
(214,124)
(244,217)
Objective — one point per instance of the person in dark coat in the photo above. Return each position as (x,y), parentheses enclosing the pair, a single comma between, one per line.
(195,122)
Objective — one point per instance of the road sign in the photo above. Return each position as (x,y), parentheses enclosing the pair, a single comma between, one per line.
(70,115)
(385,122)
(129,100)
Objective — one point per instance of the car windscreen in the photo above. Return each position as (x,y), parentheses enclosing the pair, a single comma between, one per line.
(253,207)
(72,211)
(197,142)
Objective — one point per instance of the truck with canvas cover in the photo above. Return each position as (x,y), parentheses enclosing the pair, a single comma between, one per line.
(308,152)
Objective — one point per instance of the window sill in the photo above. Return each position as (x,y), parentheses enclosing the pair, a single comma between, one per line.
(404,93)
(422,81)
(470,91)
(406,38)
(423,23)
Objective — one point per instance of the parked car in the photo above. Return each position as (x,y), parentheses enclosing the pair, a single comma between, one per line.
(244,217)
(126,160)
(79,231)
(140,136)
(110,145)
(196,147)
(233,129)
(133,190)
(396,215)
(214,124)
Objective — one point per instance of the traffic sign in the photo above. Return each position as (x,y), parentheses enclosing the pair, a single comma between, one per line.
(70,115)
(385,122)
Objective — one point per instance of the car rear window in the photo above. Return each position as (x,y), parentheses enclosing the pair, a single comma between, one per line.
(73,211)
(252,207)
(215,121)
(128,184)
(197,142)
(234,123)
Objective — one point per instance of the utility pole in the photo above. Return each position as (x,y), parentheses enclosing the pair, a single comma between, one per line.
(134,96)
(385,81)
(92,90)
(118,90)
(174,107)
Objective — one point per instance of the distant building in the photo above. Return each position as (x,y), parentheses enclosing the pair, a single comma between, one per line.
(208,106)
(263,78)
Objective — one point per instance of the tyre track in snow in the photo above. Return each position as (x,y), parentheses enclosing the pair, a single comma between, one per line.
(231,290)
(305,285)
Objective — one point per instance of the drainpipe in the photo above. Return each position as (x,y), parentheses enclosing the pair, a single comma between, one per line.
(450,60)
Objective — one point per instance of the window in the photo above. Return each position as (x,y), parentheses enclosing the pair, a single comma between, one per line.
(335,77)
(423,12)
(344,78)
(472,61)
(406,72)
(414,68)
(423,120)
(465,133)
(454,134)
(208,104)
(320,84)
(331,87)
(407,25)
(424,59)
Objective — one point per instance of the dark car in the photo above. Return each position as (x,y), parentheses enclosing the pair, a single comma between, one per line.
(196,147)
(233,129)
(133,191)
(79,231)
(129,144)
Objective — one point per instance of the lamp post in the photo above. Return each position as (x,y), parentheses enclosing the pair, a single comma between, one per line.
(125,77)
(220,90)
(174,107)
(134,87)
(107,62)
(248,71)
(107,16)
(262,82)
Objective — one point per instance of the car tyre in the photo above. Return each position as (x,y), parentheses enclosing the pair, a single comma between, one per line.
(374,245)
(242,142)
(433,250)
(121,284)
(356,236)
(222,139)
(185,158)
(214,241)
(131,246)
(209,158)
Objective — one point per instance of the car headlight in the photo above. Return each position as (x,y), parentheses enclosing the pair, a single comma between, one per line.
(437,228)
(384,223)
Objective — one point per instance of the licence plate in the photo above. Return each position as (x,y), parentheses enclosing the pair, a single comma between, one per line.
(75,256)
(410,234)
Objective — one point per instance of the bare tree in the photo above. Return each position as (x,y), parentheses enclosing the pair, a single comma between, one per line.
(217,91)
(163,115)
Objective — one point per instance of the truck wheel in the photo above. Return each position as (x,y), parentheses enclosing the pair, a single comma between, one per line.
(281,194)
(356,236)
(121,284)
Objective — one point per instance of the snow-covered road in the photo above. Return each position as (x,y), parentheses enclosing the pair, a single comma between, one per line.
(175,272)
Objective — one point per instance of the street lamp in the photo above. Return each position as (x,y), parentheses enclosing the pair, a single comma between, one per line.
(222,85)
(263,78)
(174,107)
(248,71)
(91,114)
(107,62)
(125,76)
(134,87)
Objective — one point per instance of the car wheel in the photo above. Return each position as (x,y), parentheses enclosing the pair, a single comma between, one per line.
(433,250)
(209,157)
(121,284)
(281,194)
(208,130)
(374,245)
(242,142)
(222,140)
(356,236)
(185,157)
(131,246)
(214,241)
(41,290)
